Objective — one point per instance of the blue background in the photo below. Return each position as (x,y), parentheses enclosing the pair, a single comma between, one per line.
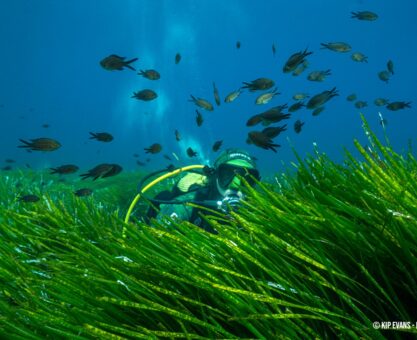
(50,74)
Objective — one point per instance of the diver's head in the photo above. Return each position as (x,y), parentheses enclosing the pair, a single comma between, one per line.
(231,164)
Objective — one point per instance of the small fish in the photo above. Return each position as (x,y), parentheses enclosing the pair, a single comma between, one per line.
(384,76)
(351,97)
(102,170)
(145,95)
(216,94)
(150,74)
(29,198)
(364,15)
(177,136)
(9,160)
(300,69)
(318,75)
(359,57)
(154,148)
(167,157)
(199,118)
(200,102)
(135,155)
(265,98)
(238,44)
(321,98)
(41,144)
(390,67)
(381,101)
(298,125)
(177,58)
(138,162)
(217,145)
(295,60)
(300,96)
(191,153)
(252,121)
(7,168)
(64,169)
(83,192)
(45,126)
(395,106)
(101,136)
(273,132)
(296,106)
(274,50)
(114,62)
(341,47)
(259,84)
(361,104)
(274,115)
(261,140)
(233,95)
(317,111)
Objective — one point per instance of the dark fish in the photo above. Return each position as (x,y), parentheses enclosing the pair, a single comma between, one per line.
(318,75)
(341,47)
(384,76)
(177,135)
(390,66)
(217,145)
(191,153)
(41,144)
(273,132)
(381,101)
(317,111)
(321,98)
(296,59)
(177,58)
(29,198)
(64,169)
(351,97)
(395,106)
(274,115)
(258,84)
(296,106)
(237,44)
(364,15)
(7,168)
(216,94)
(154,148)
(8,160)
(274,50)
(114,62)
(140,163)
(199,118)
(298,125)
(361,104)
(135,155)
(83,192)
(102,170)
(359,57)
(101,136)
(45,126)
(200,102)
(150,74)
(167,157)
(261,140)
(252,121)
(145,95)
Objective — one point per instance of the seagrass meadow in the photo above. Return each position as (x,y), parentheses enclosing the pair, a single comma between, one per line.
(321,253)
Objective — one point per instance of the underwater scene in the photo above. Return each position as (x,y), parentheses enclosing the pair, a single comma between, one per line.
(207,169)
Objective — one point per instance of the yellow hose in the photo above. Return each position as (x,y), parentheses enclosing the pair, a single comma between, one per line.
(150,185)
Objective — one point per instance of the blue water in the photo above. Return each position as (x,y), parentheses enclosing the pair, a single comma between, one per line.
(50,74)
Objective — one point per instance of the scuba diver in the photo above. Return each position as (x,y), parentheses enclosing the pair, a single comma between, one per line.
(218,188)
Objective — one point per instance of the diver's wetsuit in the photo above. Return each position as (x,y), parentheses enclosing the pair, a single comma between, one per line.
(182,212)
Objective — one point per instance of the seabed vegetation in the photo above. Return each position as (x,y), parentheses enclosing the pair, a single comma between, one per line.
(322,253)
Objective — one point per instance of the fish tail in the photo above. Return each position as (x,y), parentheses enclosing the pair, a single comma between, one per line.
(27,144)
(93,135)
(132,68)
